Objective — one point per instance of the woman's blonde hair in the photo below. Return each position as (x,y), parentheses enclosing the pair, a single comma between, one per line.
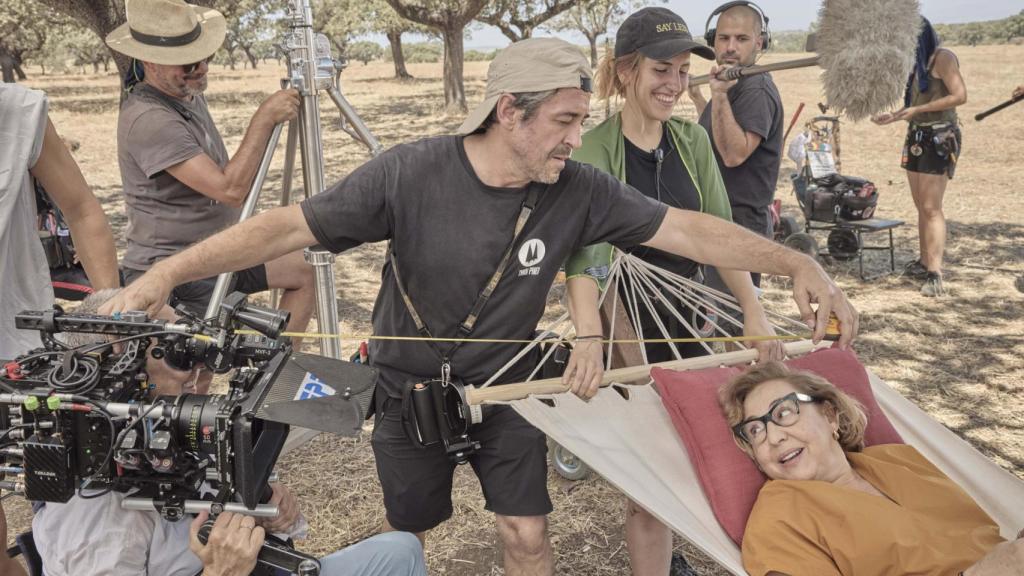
(610,69)
(848,411)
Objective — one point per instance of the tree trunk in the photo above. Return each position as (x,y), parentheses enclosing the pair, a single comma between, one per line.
(395,39)
(593,50)
(18,71)
(248,54)
(95,67)
(7,68)
(454,90)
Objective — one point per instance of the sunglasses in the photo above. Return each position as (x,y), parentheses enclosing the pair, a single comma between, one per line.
(190,68)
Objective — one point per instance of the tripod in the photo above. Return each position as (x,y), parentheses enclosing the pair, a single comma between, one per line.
(311,69)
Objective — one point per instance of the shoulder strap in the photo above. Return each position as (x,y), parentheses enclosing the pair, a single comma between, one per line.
(467,325)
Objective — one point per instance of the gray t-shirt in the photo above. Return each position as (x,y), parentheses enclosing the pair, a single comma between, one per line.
(757,107)
(24,272)
(155,132)
(449,231)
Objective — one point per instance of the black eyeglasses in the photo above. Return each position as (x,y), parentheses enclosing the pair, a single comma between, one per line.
(190,68)
(783,412)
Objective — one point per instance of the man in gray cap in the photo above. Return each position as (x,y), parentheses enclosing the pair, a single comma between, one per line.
(483,217)
(180,185)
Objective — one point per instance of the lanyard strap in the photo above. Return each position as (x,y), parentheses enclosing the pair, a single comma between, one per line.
(467,325)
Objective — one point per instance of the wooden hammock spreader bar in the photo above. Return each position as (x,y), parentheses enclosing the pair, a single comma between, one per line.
(632,374)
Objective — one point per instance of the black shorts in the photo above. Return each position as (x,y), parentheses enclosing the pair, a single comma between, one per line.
(196,295)
(932,149)
(417,482)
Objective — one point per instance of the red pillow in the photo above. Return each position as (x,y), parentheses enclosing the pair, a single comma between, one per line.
(729,478)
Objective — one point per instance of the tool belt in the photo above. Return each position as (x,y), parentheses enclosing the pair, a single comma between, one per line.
(943,137)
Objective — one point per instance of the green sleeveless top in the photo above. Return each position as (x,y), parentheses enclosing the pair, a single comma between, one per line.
(936,89)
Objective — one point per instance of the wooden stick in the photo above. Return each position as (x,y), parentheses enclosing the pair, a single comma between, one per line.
(737,72)
(520,390)
(796,116)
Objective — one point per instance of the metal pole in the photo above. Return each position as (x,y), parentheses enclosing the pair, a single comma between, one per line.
(287,175)
(358,126)
(220,290)
(313,177)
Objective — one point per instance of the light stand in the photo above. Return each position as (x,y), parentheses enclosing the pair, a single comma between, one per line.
(311,69)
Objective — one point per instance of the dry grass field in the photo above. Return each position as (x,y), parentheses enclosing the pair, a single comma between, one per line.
(961,358)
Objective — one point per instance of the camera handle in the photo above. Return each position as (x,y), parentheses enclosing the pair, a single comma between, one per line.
(274,553)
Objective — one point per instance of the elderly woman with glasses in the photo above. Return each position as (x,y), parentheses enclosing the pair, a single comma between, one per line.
(832,506)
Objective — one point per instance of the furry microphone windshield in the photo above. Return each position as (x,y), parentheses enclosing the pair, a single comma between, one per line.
(867,50)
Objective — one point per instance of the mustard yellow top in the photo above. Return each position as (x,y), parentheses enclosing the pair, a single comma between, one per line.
(927,526)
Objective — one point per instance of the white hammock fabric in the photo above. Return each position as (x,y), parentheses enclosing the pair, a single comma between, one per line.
(631,443)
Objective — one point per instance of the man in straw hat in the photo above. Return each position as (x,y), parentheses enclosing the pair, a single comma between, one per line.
(453,207)
(180,185)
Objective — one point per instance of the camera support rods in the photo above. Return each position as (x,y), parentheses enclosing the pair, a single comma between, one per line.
(310,69)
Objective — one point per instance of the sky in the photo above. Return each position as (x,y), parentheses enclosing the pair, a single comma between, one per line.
(791,15)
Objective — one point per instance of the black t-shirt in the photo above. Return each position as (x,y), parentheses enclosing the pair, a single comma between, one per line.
(757,107)
(673,186)
(449,231)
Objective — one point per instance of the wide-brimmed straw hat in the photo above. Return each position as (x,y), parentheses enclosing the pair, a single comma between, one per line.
(531,65)
(168,32)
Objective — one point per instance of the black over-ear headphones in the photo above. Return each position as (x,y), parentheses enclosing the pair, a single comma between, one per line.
(766,34)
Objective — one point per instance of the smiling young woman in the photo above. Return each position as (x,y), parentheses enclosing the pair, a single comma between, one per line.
(671,160)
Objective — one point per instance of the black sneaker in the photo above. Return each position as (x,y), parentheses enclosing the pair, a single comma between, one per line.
(915,269)
(680,567)
(932,286)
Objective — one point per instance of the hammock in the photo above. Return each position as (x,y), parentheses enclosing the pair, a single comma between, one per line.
(626,435)
(631,443)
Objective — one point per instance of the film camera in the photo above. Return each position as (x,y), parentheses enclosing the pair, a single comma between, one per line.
(81,420)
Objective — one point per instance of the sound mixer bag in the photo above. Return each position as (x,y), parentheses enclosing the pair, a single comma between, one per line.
(839,197)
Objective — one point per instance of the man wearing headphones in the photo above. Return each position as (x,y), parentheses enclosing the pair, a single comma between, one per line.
(744,117)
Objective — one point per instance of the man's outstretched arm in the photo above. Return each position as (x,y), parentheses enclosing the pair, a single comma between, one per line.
(262,238)
(714,241)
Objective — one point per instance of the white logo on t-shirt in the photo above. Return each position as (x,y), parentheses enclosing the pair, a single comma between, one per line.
(531,252)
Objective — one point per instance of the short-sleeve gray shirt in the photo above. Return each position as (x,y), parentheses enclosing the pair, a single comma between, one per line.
(449,231)
(155,132)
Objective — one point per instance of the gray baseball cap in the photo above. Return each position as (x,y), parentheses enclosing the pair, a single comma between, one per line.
(531,65)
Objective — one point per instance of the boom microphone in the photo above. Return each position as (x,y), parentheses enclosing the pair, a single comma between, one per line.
(866,48)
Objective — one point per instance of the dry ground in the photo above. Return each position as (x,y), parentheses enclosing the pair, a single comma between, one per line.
(959,357)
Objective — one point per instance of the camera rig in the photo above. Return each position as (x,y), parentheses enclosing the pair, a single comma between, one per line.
(81,420)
